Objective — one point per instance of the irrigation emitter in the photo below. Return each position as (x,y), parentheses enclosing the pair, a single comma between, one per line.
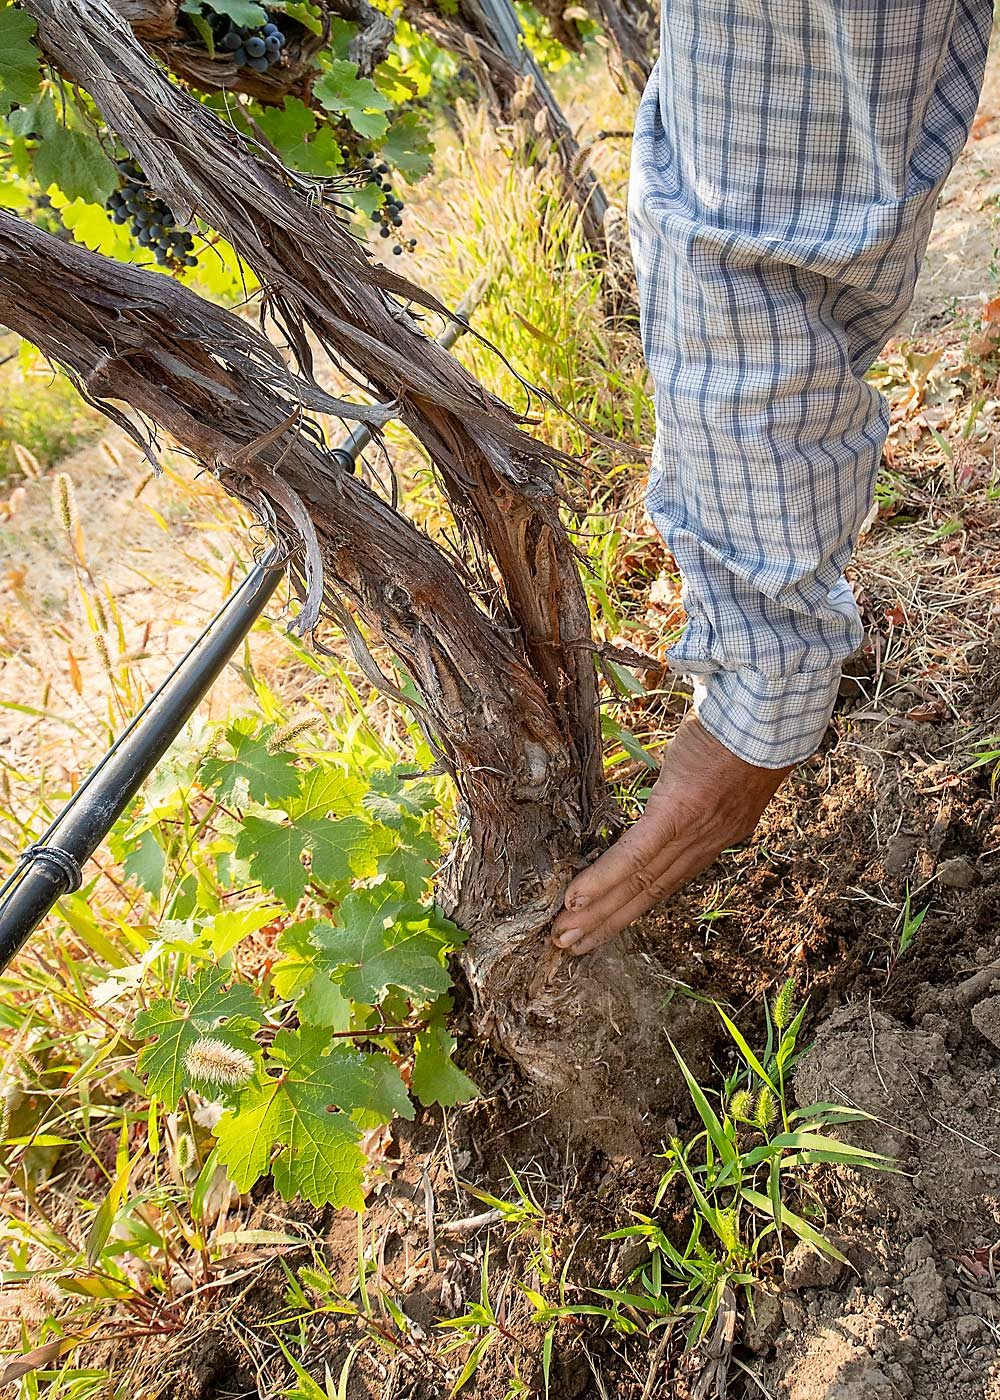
(53,865)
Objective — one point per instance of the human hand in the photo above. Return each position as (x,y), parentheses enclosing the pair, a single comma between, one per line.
(704,800)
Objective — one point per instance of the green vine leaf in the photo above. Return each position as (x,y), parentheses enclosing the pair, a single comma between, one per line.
(274,851)
(266,777)
(342,92)
(75,163)
(303,145)
(241,12)
(146,863)
(340,850)
(20,72)
(408,147)
(307,15)
(320,1002)
(384,940)
(436,1078)
(225,1013)
(301,1106)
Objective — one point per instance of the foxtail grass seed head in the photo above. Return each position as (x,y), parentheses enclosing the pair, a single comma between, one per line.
(38,1300)
(184,1152)
(783,1008)
(315,1281)
(101,617)
(766,1110)
(64,503)
(27,461)
(112,455)
(103,655)
(285,736)
(741,1106)
(7,1101)
(31,1065)
(212,1061)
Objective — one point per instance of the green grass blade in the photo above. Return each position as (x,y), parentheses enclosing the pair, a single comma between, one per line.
(706,1112)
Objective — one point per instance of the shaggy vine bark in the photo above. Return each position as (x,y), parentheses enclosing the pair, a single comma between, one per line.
(506,677)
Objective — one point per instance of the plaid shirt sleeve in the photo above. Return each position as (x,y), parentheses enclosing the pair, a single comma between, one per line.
(787,159)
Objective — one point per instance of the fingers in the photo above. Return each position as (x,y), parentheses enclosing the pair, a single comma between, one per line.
(641,876)
(627,859)
(687,864)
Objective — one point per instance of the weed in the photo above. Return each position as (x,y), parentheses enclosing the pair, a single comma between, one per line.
(909,926)
(745,1181)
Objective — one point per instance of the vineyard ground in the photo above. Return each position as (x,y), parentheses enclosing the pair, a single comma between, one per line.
(889,809)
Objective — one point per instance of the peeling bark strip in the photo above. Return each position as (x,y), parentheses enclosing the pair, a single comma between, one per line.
(502,484)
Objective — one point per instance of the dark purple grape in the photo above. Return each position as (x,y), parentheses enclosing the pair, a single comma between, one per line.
(232,41)
(383,233)
(397,249)
(272,45)
(259,65)
(269,29)
(255,47)
(240,56)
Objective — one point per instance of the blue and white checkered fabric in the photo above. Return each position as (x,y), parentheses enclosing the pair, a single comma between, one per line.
(787,158)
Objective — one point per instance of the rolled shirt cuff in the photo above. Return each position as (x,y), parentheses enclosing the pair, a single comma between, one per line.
(771,721)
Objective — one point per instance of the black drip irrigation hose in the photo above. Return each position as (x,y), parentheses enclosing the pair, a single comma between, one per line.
(53,866)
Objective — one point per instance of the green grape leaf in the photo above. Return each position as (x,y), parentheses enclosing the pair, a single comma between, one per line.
(436,1078)
(384,941)
(413,858)
(392,802)
(91,225)
(20,73)
(274,851)
(146,863)
(269,777)
(37,119)
(292,974)
(375,1087)
(204,31)
(212,1009)
(408,147)
(307,15)
(328,792)
(292,130)
(242,12)
(320,1001)
(340,849)
(75,163)
(324,1004)
(341,91)
(294,1108)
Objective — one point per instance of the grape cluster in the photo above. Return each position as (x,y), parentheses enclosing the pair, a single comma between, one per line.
(151,221)
(389,214)
(258,49)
